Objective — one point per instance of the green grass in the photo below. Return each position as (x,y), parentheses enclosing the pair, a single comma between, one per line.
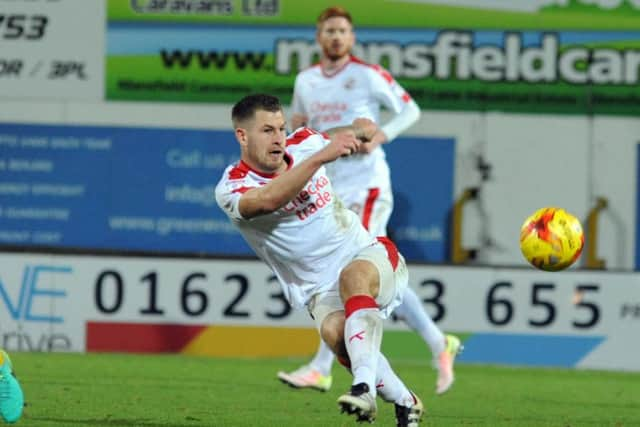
(66,390)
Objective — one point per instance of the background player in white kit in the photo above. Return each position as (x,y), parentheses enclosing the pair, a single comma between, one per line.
(333,93)
(279,196)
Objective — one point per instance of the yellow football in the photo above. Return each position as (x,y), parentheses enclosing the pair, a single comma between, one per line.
(551,239)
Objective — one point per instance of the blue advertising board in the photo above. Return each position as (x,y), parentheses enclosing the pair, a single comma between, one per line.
(117,188)
(422,173)
(152,190)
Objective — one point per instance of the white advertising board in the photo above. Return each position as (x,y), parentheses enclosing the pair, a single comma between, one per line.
(52,49)
(54,303)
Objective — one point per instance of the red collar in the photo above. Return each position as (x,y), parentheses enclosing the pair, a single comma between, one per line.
(244,167)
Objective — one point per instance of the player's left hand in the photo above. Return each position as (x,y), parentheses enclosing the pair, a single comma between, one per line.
(365,129)
(378,139)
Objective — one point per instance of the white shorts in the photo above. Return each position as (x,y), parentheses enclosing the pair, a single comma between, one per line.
(373,206)
(393,282)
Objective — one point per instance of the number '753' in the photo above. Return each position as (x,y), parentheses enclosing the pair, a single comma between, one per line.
(28,27)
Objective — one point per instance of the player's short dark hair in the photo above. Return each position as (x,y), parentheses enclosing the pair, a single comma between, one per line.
(334,12)
(246,108)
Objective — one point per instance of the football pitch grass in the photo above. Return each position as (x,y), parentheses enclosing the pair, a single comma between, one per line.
(68,390)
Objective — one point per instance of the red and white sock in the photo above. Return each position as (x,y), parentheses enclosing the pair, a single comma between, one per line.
(363,336)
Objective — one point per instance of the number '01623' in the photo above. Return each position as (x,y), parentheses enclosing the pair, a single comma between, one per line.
(194,301)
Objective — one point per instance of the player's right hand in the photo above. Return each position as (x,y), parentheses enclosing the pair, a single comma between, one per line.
(299,120)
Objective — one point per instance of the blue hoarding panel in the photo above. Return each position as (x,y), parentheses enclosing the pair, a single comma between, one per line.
(530,350)
(150,189)
(115,188)
(422,173)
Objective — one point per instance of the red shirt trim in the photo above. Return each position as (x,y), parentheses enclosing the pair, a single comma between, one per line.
(242,169)
(300,136)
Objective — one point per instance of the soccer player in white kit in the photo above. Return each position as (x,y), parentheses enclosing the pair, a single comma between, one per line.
(282,201)
(333,93)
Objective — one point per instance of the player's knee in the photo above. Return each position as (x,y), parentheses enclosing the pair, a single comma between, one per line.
(359,278)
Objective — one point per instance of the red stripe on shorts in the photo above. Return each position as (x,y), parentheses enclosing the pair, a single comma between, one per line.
(392,251)
(368,206)
(358,302)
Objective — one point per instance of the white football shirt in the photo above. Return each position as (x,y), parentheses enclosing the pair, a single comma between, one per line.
(356,90)
(309,240)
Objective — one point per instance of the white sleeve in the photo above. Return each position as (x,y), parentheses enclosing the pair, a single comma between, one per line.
(393,96)
(401,121)
(228,194)
(307,142)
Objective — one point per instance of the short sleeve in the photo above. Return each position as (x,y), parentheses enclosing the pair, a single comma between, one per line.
(228,194)
(306,141)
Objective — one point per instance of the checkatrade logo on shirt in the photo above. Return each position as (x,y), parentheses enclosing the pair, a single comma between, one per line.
(315,196)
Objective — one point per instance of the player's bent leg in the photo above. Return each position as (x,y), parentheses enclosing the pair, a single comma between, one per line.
(443,347)
(445,362)
(413,313)
(323,360)
(408,407)
(11,396)
(359,401)
(363,323)
(327,310)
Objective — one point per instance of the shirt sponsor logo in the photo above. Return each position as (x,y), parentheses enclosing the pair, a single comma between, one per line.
(315,196)
(327,112)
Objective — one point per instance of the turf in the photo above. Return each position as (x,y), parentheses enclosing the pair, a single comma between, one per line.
(176,390)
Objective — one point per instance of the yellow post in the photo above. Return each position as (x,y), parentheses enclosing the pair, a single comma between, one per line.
(459,254)
(592,260)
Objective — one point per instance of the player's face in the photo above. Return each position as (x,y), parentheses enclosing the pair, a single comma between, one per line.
(263,141)
(335,37)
